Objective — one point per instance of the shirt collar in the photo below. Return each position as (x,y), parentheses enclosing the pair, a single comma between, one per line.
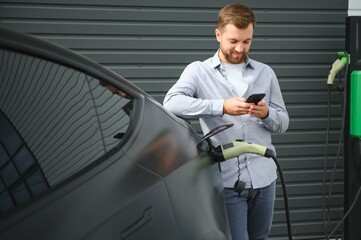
(216,62)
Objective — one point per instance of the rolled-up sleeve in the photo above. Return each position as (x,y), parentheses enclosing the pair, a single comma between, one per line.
(277,120)
(183,99)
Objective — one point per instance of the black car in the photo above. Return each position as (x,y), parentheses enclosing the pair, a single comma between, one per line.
(85,154)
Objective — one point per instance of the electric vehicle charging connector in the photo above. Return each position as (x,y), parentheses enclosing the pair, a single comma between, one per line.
(337,66)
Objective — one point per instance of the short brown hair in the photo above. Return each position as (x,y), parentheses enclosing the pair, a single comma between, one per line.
(237,14)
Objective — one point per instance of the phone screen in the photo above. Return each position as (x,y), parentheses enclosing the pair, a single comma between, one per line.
(255,98)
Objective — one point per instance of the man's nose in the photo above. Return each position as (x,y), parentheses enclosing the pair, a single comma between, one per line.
(239,47)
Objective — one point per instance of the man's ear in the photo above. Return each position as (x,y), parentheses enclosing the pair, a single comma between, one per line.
(218,35)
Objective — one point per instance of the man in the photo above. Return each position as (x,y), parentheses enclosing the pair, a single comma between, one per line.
(215,91)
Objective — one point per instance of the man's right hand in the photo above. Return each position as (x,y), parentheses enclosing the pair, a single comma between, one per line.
(236,106)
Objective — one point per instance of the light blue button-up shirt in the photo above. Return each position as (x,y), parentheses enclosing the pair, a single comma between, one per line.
(200,93)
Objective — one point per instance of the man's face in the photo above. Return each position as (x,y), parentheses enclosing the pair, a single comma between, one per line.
(234,43)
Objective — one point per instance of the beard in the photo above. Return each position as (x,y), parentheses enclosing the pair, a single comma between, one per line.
(234,57)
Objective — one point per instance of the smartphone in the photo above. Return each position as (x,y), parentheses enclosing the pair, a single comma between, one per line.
(255,98)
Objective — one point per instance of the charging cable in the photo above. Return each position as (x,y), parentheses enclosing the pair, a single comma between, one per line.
(236,148)
(337,66)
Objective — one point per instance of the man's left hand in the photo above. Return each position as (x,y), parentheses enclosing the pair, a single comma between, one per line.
(260,110)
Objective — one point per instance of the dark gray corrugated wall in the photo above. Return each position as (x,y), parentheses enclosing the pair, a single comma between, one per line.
(150,42)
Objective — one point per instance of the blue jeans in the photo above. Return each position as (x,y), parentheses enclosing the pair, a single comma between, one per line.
(250,215)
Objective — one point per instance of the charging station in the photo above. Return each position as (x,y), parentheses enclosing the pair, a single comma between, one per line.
(352,131)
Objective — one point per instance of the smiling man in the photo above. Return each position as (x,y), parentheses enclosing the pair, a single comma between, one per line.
(215,91)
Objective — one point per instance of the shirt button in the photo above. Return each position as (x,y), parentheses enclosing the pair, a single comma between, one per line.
(248,162)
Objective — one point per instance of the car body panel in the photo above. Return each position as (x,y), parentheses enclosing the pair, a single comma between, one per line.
(152,182)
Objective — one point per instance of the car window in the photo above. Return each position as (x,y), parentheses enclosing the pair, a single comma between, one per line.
(54,121)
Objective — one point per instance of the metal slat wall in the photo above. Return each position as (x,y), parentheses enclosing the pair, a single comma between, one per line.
(150,43)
